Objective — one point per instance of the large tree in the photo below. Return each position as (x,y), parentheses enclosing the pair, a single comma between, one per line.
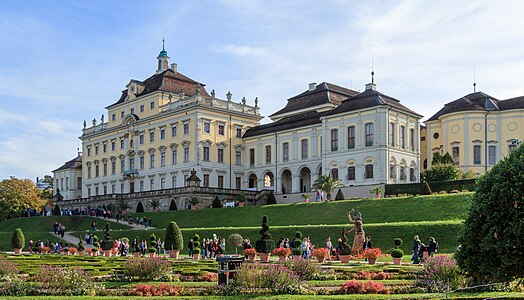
(16,195)
(492,244)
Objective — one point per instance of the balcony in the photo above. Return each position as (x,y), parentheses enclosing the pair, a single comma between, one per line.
(130,174)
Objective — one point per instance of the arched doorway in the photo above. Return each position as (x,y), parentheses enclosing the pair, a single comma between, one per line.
(139,207)
(269,181)
(172,206)
(252,181)
(286,182)
(305,179)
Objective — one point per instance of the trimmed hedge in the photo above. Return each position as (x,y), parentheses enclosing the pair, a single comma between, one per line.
(436,186)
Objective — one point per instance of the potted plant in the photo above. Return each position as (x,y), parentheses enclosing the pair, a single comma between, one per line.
(345,253)
(72,251)
(320,253)
(397,253)
(327,184)
(250,253)
(80,247)
(123,206)
(282,253)
(265,244)
(108,243)
(241,199)
(295,244)
(45,249)
(236,240)
(194,201)
(152,245)
(372,254)
(155,204)
(18,241)
(196,247)
(377,191)
(305,197)
(96,246)
(173,240)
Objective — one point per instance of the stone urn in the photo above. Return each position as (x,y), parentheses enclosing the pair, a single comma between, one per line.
(264,257)
(174,253)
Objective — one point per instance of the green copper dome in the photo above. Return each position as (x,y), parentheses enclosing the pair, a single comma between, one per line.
(163,53)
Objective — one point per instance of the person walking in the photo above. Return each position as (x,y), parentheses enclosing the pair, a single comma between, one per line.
(190,246)
(416,249)
(432,247)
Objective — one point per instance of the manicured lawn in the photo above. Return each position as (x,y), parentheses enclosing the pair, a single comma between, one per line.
(5,239)
(72,223)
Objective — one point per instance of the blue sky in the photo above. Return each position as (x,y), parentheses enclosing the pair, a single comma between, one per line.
(62,62)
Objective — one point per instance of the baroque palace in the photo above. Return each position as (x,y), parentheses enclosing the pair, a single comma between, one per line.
(168,138)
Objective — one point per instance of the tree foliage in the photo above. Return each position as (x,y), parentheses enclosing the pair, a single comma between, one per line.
(271,199)
(217,203)
(327,184)
(16,195)
(492,244)
(265,244)
(173,206)
(340,195)
(173,239)
(18,239)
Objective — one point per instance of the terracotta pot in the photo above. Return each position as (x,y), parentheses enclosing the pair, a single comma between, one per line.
(107,253)
(425,254)
(306,200)
(81,253)
(296,258)
(196,256)
(377,196)
(264,257)
(344,258)
(251,258)
(320,259)
(282,259)
(372,261)
(152,254)
(397,261)
(241,203)
(136,254)
(174,253)
(17,250)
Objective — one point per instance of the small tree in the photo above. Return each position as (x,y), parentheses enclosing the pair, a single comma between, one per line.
(139,208)
(426,189)
(108,243)
(194,200)
(173,206)
(240,198)
(56,210)
(296,242)
(265,244)
(271,199)
(217,203)
(441,172)
(96,243)
(327,184)
(173,239)
(236,240)
(340,195)
(154,203)
(123,205)
(18,239)
(152,243)
(80,244)
(196,244)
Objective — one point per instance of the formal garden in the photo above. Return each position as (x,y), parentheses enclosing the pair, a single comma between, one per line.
(480,238)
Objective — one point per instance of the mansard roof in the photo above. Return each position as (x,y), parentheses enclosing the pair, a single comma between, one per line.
(75,163)
(286,123)
(479,101)
(324,93)
(367,99)
(167,81)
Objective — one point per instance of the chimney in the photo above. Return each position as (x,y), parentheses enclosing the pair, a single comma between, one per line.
(173,67)
(371,86)
(312,86)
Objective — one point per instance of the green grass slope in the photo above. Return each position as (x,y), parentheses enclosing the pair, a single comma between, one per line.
(72,223)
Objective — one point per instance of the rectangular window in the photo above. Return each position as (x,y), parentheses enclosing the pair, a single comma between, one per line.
(79,183)
(89,172)
(173,131)
(142,108)
(104,148)
(186,128)
(221,129)
(122,188)
(162,183)
(121,115)
(239,133)
(97,171)
(122,143)
(105,169)
(207,127)
(392,134)
(132,111)
(186,154)
(163,159)
(113,167)
(96,150)
(105,189)
(369,134)
(141,139)
(131,163)
(122,165)
(412,174)
(392,173)
(88,192)
(141,185)
(206,154)
(206,180)
(220,155)
(141,160)
(151,136)
(220,181)
(67,183)
(113,189)
(285,151)
(368,173)
(402,137)
(152,105)
(173,181)
(351,173)
(151,184)
(238,157)
(334,139)
(113,146)
(96,191)
(251,157)
(334,173)
(304,149)
(174,156)
(476,155)
(402,173)
(238,183)
(492,155)
(268,154)
(351,137)
(88,151)
(456,155)
(152,161)
(113,117)
(412,139)
(163,134)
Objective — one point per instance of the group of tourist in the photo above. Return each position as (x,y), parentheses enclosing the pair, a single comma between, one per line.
(420,248)
(209,247)
(59,229)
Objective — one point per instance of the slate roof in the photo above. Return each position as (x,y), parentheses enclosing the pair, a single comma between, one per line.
(369,98)
(323,93)
(479,101)
(75,163)
(286,123)
(167,81)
